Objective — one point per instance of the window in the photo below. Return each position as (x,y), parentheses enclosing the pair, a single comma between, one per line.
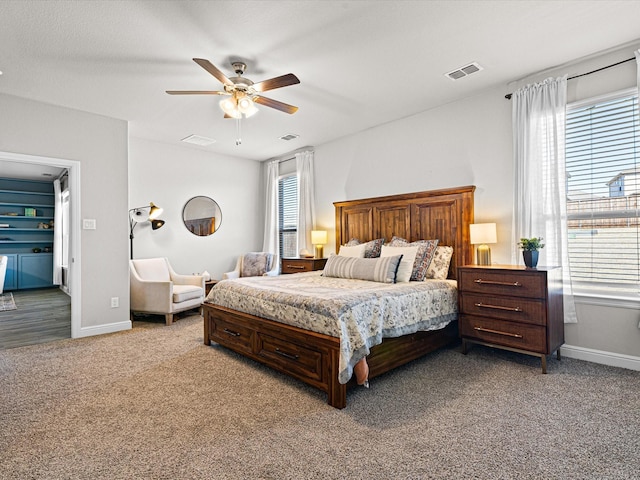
(603,188)
(288,215)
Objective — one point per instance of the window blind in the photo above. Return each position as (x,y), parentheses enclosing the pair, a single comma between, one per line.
(288,215)
(603,187)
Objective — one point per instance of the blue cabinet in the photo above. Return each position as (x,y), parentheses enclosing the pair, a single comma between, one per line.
(35,270)
(26,226)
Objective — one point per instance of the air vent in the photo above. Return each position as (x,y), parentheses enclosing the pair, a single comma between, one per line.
(198,140)
(464,71)
(289,136)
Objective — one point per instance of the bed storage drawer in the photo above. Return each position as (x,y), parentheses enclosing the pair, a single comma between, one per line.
(290,356)
(235,336)
(510,334)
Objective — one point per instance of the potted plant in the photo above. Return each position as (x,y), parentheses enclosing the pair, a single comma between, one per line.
(530,250)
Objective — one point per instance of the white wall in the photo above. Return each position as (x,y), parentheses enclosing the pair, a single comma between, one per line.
(469,143)
(100,145)
(462,143)
(169,176)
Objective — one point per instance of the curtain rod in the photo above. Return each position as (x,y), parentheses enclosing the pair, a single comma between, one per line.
(509,95)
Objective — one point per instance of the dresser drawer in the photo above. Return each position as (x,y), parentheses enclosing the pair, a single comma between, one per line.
(509,334)
(502,282)
(518,309)
(235,337)
(290,357)
(297,265)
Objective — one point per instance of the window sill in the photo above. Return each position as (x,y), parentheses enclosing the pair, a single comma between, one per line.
(606,300)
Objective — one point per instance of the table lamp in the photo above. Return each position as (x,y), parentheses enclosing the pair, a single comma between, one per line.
(319,239)
(481,234)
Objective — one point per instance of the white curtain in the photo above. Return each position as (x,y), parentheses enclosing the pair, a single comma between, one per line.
(540,200)
(271,242)
(306,200)
(57,233)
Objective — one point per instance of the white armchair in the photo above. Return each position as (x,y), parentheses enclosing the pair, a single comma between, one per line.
(156,288)
(3,271)
(254,264)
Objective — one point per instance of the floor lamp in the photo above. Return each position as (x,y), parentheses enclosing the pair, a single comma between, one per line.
(147,213)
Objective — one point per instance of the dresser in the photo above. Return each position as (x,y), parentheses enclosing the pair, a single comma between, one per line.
(512,307)
(297,265)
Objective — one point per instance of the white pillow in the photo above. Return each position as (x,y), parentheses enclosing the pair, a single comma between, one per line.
(406,264)
(352,251)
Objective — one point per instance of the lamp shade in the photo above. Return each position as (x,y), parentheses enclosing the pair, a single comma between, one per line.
(154,211)
(483,233)
(319,237)
(156,224)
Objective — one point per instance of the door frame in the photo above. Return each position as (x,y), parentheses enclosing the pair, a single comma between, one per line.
(75,280)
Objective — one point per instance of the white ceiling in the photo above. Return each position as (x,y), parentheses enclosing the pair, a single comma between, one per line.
(360,63)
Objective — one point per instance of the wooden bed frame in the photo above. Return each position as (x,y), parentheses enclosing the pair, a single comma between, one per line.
(313,357)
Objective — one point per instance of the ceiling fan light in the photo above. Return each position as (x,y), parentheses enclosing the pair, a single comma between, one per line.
(228,106)
(247,107)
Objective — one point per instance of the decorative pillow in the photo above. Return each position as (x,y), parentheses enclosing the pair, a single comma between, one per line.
(352,251)
(406,264)
(372,248)
(439,268)
(424,257)
(373,269)
(255,264)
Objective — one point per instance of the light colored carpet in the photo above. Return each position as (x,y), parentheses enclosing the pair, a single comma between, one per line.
(7,302)
(155,403)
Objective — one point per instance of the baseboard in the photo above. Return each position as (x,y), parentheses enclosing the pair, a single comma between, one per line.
(604,358)
(101,329)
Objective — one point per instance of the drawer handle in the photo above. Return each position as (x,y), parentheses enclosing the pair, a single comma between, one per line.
(231,332)
(504,284)
(287,355)
(488,330)
(297,267)
(498,307)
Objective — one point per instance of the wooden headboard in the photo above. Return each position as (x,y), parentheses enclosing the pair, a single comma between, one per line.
(443,214)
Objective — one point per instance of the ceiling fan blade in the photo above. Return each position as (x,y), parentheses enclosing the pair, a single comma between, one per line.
(213,70)
(283,107)
(277,82)
(195,92)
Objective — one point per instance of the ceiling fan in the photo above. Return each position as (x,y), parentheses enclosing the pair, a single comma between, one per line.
(241,92)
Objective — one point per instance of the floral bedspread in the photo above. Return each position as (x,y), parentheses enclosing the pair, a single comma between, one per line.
(361,313)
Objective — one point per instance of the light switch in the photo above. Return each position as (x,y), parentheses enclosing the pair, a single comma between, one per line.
(88,223)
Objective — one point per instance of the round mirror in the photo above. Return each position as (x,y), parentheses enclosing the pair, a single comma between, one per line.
(202,216)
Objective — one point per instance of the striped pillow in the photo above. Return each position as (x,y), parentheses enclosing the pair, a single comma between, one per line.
(382,269)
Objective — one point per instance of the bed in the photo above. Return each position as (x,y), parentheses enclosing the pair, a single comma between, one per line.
(317,358)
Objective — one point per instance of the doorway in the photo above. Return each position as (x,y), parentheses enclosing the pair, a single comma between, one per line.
(73,272)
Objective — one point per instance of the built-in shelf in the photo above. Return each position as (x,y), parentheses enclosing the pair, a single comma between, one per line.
(26,268)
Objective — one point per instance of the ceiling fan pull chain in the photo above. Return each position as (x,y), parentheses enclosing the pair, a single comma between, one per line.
(238,132)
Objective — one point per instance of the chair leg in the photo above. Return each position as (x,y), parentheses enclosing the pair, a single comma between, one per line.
(169,318)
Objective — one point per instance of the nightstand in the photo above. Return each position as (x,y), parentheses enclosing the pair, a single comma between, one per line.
(297,265)
(512,307)
(208,285)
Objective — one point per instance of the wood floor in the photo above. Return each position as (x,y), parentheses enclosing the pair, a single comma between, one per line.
(42,316)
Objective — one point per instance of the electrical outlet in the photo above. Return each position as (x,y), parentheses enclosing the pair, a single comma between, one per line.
(115,302)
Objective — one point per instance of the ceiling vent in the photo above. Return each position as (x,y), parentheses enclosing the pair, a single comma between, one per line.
(464,71)
(198,140)
(289,136)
